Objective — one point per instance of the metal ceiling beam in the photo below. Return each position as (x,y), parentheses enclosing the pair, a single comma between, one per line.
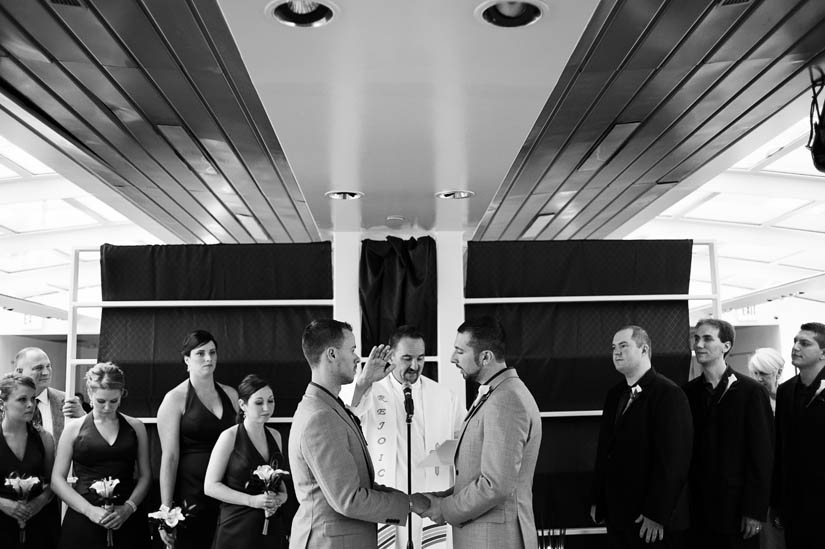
(68,238)
(26,307)
(791,289)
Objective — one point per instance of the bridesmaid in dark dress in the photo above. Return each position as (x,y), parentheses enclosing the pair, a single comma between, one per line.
(190,419)
(25,452)
(102,444)
(229,478)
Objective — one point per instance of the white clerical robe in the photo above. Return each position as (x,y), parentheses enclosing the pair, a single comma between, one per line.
(438,417)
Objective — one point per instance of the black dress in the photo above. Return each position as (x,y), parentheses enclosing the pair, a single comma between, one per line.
(42,530)
(199,431)
(94,459)
(239,525)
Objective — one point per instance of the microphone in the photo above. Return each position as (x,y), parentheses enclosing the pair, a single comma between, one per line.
(408,401)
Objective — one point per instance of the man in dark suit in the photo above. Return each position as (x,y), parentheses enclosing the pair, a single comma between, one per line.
(643,456)
(733,435)
(52,404)
(339,501)
(799,473)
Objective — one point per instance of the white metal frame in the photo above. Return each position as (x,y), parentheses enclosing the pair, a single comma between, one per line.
(74,305)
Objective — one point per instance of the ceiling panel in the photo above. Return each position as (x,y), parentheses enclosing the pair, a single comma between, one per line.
(107,74)
(722,70)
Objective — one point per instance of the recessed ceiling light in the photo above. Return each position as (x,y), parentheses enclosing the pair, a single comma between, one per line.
(454,195)
(510,14)
(395,220)
(301,13)
(344,195)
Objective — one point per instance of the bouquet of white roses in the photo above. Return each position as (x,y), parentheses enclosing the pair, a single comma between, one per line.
(270,478)
(22,486)
(105,488)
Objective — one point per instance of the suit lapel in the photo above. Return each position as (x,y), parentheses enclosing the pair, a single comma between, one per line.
(345,417)
(56,410)
(510,374)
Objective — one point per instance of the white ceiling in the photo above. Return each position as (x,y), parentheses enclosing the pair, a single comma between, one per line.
(395,96)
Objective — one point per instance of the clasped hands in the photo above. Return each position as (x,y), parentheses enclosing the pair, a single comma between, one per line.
(427,505)
(268,501)
(111,519)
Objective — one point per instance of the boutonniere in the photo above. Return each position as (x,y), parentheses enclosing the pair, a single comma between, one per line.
(635,391)
(818,392)
(484,392)
(731,381)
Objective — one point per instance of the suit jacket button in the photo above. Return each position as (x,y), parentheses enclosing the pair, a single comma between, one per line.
(456,472)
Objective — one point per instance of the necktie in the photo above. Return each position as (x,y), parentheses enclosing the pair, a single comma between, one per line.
(631,397)
(37,418)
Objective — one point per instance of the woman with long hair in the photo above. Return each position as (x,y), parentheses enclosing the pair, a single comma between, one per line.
(190,419)
(33,521)
(109,454)
(247,503)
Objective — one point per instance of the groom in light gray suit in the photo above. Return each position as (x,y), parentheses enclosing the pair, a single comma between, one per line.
(339,501)
(491,504)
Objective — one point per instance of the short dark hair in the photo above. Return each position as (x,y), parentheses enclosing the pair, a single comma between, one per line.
(725,329)
(196,339)
(321,334)
(407,330)
(640,336)
(486,334)
(819,332)
(250,385)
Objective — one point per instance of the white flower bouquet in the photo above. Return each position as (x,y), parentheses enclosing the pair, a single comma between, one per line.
(22,486)
(105,488)
(167,518)
(271,478)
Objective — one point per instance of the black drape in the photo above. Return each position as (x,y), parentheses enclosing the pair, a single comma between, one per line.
(263,340)
(397,286)
(562,350)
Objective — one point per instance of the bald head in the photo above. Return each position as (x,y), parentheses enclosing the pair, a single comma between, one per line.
(34,363)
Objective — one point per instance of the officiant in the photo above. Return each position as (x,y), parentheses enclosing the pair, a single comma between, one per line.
(378,400)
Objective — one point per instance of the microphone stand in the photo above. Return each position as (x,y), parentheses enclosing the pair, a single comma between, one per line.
(408,406)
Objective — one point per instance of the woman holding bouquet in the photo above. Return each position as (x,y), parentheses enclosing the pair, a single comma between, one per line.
(29,514)
(190,419)
(244,474)
(104,448)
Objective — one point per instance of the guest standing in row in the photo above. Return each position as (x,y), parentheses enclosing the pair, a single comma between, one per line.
(190,419)
(25,452)
(230,476)
(799,480)
(104,444)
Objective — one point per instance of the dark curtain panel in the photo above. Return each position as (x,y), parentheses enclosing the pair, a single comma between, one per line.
(397,285)
(222,271)
(578,267)
(260,340)
(562,350)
